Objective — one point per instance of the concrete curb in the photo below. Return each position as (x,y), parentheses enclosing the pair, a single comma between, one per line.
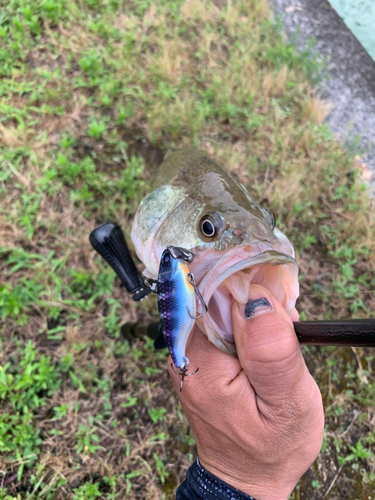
(350,87)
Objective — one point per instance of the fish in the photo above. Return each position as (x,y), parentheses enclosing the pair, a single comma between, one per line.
(196,204)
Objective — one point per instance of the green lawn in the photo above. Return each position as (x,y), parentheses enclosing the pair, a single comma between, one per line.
(92,95)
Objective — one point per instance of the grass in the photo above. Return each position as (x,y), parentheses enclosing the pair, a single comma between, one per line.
(92,95)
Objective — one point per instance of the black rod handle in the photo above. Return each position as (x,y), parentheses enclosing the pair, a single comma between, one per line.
(351,332)
(109,241)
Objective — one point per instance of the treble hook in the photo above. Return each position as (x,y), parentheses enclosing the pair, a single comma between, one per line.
(182,372)
(153,286)
(192,283)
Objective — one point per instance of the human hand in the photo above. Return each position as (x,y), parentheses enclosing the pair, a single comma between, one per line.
(258,420)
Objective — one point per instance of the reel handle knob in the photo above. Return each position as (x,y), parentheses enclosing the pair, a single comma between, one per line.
(109,241)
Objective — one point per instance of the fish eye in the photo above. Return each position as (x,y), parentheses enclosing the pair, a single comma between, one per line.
(166,258)
(211,225)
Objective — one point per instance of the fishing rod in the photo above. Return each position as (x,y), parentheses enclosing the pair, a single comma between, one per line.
(109,241)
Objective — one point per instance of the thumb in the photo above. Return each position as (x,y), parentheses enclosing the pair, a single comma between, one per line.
(267,346)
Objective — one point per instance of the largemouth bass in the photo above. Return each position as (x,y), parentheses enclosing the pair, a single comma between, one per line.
(199,206)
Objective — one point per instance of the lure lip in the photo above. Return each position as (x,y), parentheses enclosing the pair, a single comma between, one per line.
(181,253)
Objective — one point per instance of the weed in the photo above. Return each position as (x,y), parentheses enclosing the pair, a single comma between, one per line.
(157,414)
(61,411)
(92,95)
(96,128)
(88,491)
(160,468)
(358,452)
(86,439)
(131,401)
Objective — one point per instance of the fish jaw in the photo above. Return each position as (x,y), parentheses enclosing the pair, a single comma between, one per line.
(231,277)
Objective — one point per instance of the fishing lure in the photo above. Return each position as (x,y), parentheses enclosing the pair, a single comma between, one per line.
(177,292)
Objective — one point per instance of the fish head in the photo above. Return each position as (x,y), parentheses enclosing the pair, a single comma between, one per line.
(199,206)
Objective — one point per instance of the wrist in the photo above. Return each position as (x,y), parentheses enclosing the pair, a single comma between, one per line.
(260,488)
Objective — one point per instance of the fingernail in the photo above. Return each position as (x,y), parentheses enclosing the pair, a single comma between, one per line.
(256,307)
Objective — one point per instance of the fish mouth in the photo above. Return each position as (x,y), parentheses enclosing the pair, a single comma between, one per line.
(230,279)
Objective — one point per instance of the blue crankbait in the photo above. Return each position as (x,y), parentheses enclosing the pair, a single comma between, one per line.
(177,291)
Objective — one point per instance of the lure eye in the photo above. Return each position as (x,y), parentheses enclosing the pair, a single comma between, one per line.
(166,258)
(211,225)
(208,228)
